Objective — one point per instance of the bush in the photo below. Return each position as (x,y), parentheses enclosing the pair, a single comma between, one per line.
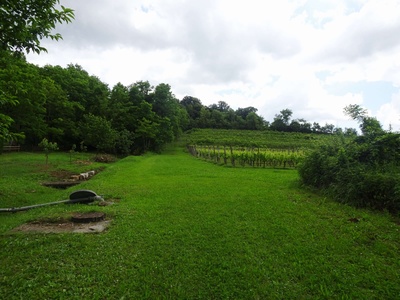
(319,167)
(368,188)
(363,173)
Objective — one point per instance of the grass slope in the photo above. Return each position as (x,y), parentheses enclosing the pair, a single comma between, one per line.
(187,229)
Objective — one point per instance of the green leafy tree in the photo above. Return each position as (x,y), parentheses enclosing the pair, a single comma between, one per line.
(7,97)
(223,106)
(48,147)
(98,133)
(9,65)
(350,132)
(88,92)
(97,99)
(163,100)
(254,121)
(121,110)
(316,127)
(142,91)
(300,125)
(204,118)
(356,112)
(146,133)
(167,107)
(82,94)
(65,111)
(243,112)
(328,128)
(233,120)
(124,142)
(24,23)
(370,126)
(29,91)
(193,107)
(217,119)
(281,120)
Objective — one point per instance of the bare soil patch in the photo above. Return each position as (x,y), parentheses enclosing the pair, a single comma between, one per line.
(61,174)
(62,226)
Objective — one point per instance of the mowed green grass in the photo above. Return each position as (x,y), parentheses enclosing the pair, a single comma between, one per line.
(183,228)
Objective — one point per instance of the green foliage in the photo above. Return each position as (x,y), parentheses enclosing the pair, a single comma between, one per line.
(220,116)
(98,133)
(254,148)
(242,156)
(320,166)
(193,107)
(370,126)
(40,104)
(364,172)
(366,187)
(124,142)
(281,120)
(9,68)
(48,147)
(355,111)
(256,138)
(23,23)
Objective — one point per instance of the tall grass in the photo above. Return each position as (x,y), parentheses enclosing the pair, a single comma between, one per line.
(186,229)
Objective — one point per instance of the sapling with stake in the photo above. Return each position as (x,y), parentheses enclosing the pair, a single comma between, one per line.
(47,147)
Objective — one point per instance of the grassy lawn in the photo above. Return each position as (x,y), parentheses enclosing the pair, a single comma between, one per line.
(183,228)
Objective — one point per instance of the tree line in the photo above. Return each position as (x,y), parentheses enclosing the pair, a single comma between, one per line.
(70,107)
(76,110)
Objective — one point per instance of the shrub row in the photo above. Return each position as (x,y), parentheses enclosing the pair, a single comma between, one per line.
(364,172)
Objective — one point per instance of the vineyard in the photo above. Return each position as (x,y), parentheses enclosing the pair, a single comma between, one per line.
(254,157)
(252,148)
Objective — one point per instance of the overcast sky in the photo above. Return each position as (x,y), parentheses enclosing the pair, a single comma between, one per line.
(313,57)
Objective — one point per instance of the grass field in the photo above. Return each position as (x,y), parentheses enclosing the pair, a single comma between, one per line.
(183,228)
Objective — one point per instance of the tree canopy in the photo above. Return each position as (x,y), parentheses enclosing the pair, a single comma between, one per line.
(69,106)
(369,126)
(24,23)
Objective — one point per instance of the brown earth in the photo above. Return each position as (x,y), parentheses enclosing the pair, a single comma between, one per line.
(87,222)
(62,227)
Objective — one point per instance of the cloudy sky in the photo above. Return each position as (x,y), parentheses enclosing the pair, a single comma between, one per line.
(311,56)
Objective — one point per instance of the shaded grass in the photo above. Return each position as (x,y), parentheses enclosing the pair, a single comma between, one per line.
(187,229)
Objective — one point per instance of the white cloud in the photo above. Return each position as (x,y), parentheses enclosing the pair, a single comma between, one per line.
(372,30)
(267,54)
(389,113)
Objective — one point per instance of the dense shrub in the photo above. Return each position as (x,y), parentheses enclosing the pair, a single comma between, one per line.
(364,172)
(319,167)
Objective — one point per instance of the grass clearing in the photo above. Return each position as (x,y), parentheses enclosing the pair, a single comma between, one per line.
(187,229)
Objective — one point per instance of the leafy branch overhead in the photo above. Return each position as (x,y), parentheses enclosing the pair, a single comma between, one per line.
(24,23)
